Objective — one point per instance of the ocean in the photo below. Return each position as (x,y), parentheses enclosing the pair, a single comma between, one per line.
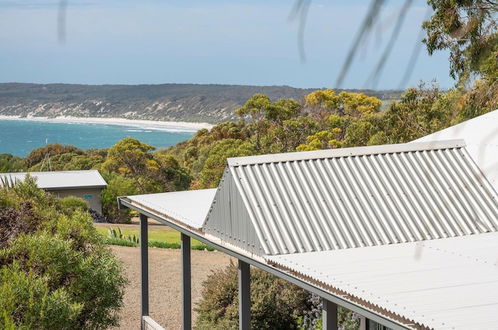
(19,137)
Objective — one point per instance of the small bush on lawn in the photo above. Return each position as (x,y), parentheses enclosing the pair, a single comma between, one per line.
(120,242)
(55,270)
(202,247)
(275,303)
(164,245)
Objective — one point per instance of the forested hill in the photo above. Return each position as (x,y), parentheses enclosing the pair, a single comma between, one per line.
(170,102)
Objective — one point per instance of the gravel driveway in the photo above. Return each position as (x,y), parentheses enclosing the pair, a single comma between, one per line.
(164,283)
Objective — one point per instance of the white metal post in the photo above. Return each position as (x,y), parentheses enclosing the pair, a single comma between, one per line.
(186,283)
(244,295)
(144,269)
(330,317)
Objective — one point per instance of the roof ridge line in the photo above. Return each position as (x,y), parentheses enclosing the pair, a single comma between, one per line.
(346,152)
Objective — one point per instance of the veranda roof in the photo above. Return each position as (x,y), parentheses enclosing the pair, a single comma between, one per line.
(449,283)
(407,232)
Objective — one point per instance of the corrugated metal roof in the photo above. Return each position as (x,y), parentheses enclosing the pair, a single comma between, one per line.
(228,219)
(368,196)
(400,230)
(61,179)
(187,207)
(440,284)
(481,137)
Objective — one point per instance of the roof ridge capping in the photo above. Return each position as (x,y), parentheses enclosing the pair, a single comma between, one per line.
(346,152)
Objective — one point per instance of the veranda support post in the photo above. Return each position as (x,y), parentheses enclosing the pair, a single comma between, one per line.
(330,317)
(144,269)
(244,295)
(186,283)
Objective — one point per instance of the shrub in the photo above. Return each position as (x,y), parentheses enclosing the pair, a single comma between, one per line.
(275,303)
(72,204)
(55,270)
(117,185)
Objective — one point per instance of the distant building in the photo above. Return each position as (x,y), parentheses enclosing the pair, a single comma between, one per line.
(87,185)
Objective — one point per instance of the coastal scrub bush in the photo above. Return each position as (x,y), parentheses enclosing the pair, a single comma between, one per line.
(275,303)
(72,204)
(55,269)
(117,185)
(36,156)
(10,163)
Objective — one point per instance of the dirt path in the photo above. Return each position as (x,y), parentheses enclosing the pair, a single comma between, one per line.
(164,283)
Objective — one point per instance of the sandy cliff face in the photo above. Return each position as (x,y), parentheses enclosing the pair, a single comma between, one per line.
(167,110)
(168,102)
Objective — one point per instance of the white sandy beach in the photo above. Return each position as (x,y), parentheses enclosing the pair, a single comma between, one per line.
(148,124)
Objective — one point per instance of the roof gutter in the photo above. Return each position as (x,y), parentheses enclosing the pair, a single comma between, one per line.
(73,187)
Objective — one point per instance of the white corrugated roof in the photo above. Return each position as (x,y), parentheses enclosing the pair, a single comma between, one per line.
(442,284)
(188,207)
(61,179)
(354,197)
(481,136)
(399,230)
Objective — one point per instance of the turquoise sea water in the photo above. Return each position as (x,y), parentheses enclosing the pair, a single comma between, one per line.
(19,137)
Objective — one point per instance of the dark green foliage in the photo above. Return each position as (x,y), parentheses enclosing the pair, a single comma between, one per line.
(9,163)
(70,205)
(131,158)
(38,155)
(275,303)
(117,185)
(15,221)
(216,159)
(55,270)
(469,30)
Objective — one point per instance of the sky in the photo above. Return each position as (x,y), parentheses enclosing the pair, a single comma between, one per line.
(246,42)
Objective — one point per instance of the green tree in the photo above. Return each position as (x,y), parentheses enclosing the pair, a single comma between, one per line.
(265,114)
(152,172)
(130,157)
(287,136)
(55,270)
(37,156)
(10,163)
(468,29)
(415,115)
(216,161)
(322,103)
(117,185)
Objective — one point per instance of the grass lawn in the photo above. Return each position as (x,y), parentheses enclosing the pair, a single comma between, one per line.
(164,235)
